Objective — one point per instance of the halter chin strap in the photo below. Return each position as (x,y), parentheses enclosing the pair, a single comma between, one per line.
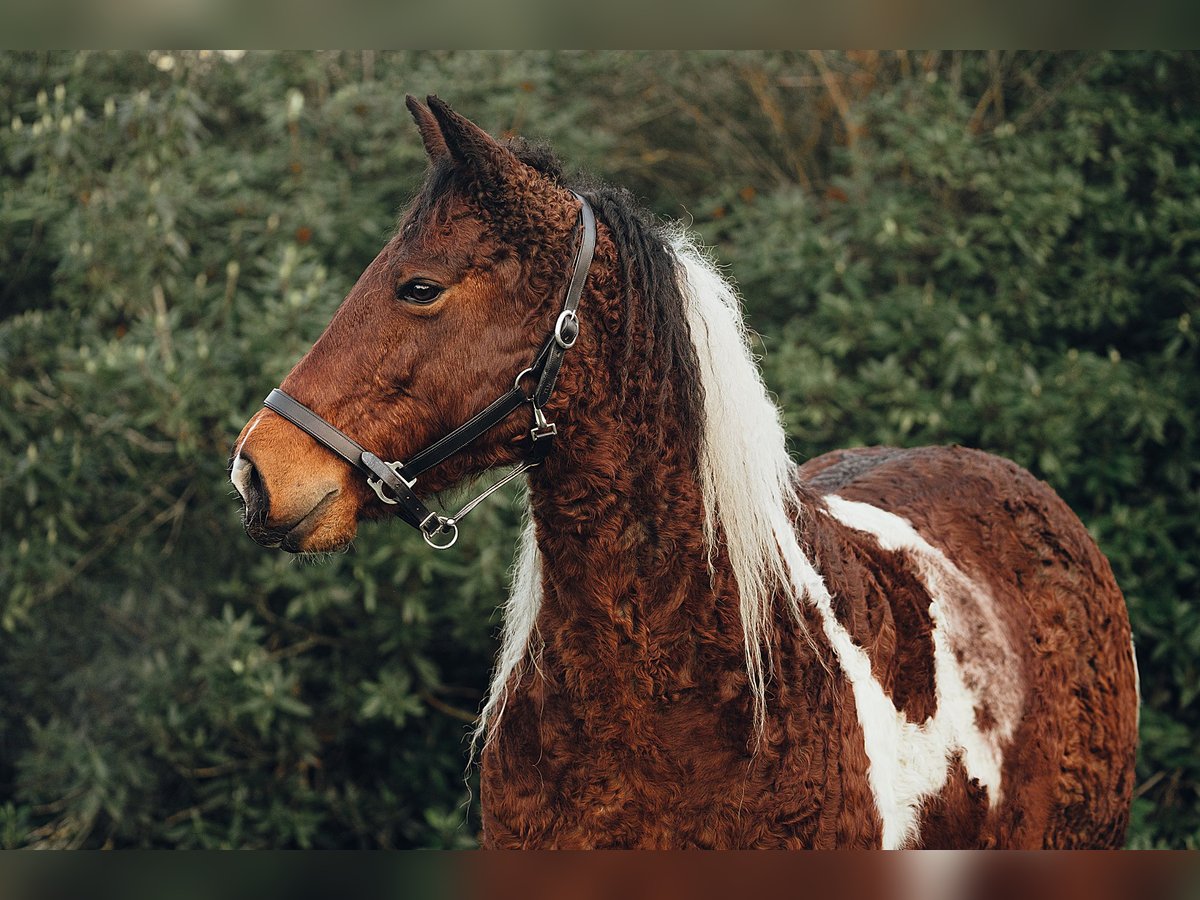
(395,482)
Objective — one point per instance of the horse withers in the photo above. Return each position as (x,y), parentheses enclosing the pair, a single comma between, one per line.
(704,646)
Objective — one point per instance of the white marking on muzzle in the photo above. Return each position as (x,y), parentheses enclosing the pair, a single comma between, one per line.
(239,472)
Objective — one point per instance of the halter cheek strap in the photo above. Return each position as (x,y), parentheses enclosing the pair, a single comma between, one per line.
(395,482)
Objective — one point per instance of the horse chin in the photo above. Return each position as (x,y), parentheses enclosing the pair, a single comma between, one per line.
(328,527)
(319,540)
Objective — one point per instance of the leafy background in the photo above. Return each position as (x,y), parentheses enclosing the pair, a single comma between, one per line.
(998,249)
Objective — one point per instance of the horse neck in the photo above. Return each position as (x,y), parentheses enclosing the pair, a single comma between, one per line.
(625,578)
(625,506)
(619,518)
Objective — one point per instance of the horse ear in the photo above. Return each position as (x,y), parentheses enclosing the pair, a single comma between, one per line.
(431,132)
(471,146)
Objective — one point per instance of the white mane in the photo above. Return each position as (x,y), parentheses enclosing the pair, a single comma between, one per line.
(745,479)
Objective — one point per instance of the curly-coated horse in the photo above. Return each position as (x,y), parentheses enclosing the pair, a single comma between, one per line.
(705,645)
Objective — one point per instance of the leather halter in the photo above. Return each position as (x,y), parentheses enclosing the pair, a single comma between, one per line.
(395,482)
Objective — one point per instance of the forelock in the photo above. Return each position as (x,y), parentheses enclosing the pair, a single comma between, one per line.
(538,156)
(442,179)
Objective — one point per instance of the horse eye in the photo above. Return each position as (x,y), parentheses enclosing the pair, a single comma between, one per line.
(419,291)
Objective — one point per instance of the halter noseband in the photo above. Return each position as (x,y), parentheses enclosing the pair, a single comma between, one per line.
(394,482)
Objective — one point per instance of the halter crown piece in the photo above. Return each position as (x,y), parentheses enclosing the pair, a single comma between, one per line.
(394,482)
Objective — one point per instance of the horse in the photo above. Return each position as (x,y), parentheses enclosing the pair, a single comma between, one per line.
(705,645)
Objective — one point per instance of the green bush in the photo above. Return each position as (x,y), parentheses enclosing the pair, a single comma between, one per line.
(999,250)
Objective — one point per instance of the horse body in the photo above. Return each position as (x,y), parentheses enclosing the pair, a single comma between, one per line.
(640,739)
(1035,637)
(704,646)
(630,730)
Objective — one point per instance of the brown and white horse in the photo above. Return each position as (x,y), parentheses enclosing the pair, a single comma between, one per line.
(704,645)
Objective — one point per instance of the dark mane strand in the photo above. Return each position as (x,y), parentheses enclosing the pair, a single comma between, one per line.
(439,180)
(655,305)
(537,155)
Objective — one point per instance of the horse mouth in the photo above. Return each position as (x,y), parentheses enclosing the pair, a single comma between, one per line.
(291,536)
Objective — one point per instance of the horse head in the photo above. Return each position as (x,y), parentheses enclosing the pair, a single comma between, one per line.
(451,311)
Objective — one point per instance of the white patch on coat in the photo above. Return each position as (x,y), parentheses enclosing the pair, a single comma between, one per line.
(911,762)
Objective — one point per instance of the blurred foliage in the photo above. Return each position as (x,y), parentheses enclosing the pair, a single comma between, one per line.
(995,249)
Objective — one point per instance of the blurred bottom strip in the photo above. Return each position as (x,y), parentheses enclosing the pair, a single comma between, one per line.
(602,875)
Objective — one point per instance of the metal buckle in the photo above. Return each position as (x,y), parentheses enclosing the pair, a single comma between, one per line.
(444,526)
(541,428)
(565,316)
(377,484)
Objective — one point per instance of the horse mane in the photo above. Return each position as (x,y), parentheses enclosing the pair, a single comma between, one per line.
(692,316)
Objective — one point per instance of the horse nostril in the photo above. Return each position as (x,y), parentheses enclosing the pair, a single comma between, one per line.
(249,484)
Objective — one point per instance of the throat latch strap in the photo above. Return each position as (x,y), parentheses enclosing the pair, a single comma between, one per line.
(566,327)
(395,482)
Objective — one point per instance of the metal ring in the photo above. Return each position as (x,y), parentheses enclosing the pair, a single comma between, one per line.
(449,526)
(520,375)
(566,314)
